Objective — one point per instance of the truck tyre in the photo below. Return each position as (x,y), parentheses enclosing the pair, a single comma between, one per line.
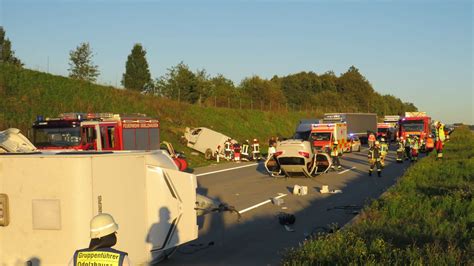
(208,154)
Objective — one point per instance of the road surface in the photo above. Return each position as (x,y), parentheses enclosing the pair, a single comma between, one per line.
(258,238)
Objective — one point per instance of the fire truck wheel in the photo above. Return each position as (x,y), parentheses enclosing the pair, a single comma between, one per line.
(208,154)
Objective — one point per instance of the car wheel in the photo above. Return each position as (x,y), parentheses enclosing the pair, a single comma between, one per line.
(359,148)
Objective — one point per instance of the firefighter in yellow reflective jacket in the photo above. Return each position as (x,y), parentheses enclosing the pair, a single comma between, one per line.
(383,151)
(374,159)
(100,251)
(335,151)
(440,138)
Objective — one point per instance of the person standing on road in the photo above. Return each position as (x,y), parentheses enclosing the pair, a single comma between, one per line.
(374,159)
(415,146)
(383,151)
(440,137)
(407,147)
(103,229)
(400,151)
(335,151)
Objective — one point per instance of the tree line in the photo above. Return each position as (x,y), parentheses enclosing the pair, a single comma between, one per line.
(303,91)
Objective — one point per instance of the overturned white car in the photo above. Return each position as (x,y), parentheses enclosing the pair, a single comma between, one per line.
(294,158)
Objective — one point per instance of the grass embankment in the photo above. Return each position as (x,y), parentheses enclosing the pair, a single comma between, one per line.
(427,218)
(24,94)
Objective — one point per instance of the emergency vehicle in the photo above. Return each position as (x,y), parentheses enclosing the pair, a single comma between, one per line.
(386,130)
(99,132)
(323,135)
(415,124)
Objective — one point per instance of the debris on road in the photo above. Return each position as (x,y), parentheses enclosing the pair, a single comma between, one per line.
(325,190)
(277,201)
(300,190)
(287,219)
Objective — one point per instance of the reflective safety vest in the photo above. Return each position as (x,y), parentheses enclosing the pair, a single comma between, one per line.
(227,146)
(384,148)
(429,143)
(400,146)
(99,257)
(334,151)
(245,149)
(374,154)
(256,148)
(440,133)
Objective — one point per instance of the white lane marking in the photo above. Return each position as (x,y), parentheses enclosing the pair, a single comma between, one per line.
(261,203)
(340,173)
(228,169)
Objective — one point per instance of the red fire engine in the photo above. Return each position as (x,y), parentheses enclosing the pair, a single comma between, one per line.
(99,132)
(415,124)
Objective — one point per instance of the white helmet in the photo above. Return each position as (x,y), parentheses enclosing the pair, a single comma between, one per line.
(335,142)
(382,140)
(377,142)
(102,225)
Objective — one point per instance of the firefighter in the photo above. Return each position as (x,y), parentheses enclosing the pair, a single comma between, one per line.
(429,146)
(255,150)
(415,146)
(335,151)
(245,151)
(400,150)
(272,147)
(383,151)
(218,149)
(371,139)
(374,159)
(407,147)
(103,230)
(228,149)
(236,149)
(439,139)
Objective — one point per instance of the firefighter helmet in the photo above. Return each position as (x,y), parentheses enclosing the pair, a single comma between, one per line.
(377,143)
(382,139)
(335,142)
(103,224)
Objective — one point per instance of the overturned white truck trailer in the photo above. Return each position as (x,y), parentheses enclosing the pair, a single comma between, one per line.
(48,199)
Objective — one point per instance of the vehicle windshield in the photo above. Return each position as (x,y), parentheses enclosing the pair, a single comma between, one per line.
(413,126)
(382,130)
(321,136)
(301,135)
(57,137)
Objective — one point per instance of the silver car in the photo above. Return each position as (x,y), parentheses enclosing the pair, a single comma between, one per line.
(295,157)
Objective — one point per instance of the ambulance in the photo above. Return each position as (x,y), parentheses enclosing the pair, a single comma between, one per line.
(323,135)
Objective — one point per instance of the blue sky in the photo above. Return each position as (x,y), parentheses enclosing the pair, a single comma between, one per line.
(419,51)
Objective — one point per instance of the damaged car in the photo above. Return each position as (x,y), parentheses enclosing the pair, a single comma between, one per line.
(295,158)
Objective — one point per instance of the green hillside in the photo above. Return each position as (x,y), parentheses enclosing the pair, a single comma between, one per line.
(24,94)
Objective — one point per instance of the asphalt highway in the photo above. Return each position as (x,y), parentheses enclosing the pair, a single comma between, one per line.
(258,238)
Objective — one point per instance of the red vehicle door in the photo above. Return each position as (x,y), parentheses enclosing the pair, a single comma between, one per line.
(109,136)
